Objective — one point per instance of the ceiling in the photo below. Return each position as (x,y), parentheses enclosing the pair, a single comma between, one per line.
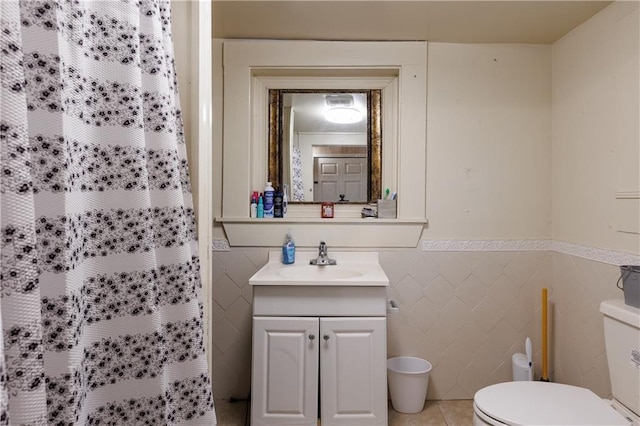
(478,21)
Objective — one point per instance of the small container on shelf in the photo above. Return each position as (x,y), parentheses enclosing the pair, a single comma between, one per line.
(327,209)
(387,209)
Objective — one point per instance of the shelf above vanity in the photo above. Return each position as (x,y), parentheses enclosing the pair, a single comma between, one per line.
(339,232)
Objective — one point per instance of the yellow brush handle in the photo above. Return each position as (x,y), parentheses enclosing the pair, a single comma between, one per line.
(544,335)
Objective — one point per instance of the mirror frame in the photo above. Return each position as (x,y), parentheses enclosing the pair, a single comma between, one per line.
(374,137)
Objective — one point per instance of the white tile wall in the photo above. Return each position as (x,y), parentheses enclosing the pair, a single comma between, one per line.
(466,310)
(481,308)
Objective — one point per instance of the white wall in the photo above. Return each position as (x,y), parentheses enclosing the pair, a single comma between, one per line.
(489,152)
(595,133)
(488,141)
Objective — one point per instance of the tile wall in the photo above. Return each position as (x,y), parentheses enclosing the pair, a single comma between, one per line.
(464,311)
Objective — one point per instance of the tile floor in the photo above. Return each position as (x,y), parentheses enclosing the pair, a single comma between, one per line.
(440,413)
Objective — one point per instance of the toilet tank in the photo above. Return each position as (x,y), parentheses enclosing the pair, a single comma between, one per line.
(622,340)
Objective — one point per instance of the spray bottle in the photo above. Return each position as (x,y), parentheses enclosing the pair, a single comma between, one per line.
(260,207)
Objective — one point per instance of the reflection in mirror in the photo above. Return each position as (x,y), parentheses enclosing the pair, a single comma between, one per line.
(325,145)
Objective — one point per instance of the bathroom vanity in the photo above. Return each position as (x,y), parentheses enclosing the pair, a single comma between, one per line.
(319,341)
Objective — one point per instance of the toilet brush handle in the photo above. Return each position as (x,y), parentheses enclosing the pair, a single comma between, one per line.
(544,377)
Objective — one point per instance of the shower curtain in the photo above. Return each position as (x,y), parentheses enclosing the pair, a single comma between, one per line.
(296,175)
(100,314)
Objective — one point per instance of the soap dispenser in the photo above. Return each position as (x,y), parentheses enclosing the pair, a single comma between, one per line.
(288,250)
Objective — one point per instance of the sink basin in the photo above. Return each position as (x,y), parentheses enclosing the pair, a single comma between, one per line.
(352,269)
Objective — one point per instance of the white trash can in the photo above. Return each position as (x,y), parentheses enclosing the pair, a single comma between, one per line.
(408,382)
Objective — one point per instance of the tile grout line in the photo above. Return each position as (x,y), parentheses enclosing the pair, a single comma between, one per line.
(442,413)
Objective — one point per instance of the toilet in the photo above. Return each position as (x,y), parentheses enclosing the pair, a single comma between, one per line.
(546,403)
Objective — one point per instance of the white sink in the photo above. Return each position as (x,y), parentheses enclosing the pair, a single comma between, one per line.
(352,269)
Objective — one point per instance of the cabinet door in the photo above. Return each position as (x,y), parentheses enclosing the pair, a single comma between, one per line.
(284,380)
(353,371)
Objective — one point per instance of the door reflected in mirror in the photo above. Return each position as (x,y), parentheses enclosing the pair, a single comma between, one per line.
(325,145)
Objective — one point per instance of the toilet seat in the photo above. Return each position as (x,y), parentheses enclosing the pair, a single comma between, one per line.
(543,403)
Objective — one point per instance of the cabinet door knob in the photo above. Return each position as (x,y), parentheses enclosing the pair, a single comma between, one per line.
(325,337)
(312,337)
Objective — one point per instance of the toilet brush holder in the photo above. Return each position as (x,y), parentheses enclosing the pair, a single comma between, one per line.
(522,372)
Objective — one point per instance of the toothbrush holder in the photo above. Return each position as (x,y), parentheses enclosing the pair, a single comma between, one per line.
(387,209)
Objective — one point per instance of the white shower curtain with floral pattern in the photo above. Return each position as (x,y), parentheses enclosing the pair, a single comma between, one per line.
(100,314)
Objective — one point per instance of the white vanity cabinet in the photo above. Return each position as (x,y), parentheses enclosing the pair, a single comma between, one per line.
(284,379)
(353,371)
(342,358)
(320,342)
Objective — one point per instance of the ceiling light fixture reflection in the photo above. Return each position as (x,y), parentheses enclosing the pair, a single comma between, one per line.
(341,109)
(343,115)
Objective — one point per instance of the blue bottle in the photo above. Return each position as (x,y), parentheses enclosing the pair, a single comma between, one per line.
(260,207)
(288,250)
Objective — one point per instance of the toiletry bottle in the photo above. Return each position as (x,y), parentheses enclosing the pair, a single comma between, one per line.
(268,200)
(277,203)
(288,250)
(260,207)
(285,200)
(253,209)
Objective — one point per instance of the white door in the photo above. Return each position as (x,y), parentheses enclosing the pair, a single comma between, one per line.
(284,388)
(340,175)
(353,371)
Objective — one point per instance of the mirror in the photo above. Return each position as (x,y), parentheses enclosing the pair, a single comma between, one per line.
(326,145)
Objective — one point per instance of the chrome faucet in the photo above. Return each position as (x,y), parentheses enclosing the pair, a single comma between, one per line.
(322,259)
